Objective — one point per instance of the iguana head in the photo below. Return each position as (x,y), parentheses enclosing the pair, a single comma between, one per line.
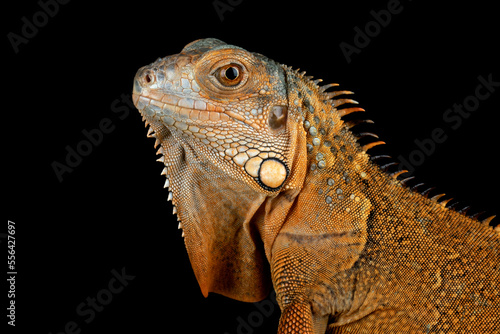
(232,139)
(226,101)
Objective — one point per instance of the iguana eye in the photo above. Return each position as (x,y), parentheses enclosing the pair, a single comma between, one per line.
(230,75)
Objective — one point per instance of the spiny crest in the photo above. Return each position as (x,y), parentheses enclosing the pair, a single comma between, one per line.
(426,193)
(161,152)
(331,97)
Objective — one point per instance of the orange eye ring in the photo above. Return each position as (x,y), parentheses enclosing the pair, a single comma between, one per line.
(230,75)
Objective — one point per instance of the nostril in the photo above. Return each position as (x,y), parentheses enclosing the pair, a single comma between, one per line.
(146,76)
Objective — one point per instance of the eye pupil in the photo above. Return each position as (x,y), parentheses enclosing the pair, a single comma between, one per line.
(231,73)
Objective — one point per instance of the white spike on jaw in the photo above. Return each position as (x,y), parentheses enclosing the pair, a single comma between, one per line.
(174,211)
(167,183)
(151,133)
(170,196)
(160,151)
(161,159)
(157,142)
(179,226)
(164,171)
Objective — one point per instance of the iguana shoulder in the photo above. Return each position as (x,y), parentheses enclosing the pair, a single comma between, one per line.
(273,188)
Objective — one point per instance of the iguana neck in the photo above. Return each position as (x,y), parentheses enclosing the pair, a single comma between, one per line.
(356,225)
(342,187)
(331,173)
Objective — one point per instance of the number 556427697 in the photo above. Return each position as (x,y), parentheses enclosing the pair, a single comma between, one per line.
(11,245)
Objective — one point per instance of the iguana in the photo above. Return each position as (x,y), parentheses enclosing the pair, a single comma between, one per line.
(271,187)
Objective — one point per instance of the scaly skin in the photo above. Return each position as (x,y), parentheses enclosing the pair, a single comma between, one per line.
(271,187)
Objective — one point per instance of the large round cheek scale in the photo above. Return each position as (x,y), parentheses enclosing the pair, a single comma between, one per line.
(272,173)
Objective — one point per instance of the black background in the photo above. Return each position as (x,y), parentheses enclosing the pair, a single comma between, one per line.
(111,211)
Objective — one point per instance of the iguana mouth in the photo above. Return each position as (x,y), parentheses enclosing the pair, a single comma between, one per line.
(173,110)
